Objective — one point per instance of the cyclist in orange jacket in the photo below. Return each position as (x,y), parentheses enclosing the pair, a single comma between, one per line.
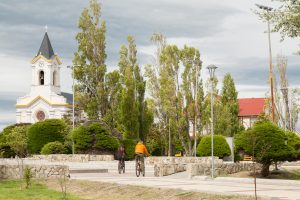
(140,152)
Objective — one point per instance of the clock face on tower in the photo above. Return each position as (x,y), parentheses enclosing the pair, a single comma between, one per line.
(40,115)
(41,64)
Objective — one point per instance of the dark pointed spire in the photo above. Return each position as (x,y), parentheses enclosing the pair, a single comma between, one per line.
(46,49)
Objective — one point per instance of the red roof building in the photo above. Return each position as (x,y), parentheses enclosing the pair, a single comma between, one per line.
(250,109)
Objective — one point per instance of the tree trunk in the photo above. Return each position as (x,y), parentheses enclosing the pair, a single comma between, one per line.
(265,169)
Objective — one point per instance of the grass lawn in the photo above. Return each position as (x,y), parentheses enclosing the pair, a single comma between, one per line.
(15,190)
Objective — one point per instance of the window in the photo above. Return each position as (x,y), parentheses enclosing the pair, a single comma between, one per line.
(41,77)
(54,78)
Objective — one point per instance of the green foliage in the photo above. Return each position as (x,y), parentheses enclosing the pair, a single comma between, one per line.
(6,151)
(27,177)
(221,148)
(44,132)
(17,140)
(154,147)
(267,142)
(129,148)
(94,137)
(228,122)
(82,138)
(104,140)
(89,62)
(293,140)
(53,148)
(13,140)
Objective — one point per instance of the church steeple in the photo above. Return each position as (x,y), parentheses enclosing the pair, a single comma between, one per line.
(46,48)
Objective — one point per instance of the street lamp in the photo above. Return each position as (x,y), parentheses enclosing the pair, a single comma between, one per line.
(268,9)
(211,70)
(73,107)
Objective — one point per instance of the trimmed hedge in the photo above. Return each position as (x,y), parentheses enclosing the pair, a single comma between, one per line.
(221,148)
(94,137)
(82,138)
(104,140)
(44,132)
(53,148)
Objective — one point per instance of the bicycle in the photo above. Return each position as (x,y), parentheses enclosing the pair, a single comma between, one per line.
(138,167)
(121,166)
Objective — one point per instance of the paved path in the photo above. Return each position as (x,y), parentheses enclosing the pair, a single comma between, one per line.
(271,189)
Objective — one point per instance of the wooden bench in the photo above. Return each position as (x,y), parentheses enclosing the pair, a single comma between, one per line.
(248,158)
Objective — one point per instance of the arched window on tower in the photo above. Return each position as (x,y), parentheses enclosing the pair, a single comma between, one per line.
(54,78)
(41,77)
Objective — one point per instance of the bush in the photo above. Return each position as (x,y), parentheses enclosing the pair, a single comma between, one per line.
(221,148)
(154,147)
(82,138)
(129,148)
(13,140)
(53,148)
(44,132)
(104,140)
(6,151)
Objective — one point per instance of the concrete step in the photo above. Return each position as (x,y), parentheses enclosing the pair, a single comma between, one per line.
(88,170)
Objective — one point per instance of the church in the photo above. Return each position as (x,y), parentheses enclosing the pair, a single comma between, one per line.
(45,100)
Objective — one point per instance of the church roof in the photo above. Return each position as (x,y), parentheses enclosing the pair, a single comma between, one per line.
(46,48)
(68,96)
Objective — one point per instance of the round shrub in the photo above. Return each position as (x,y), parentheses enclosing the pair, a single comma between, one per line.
(104,140)
(82,138)
(129,145)
(44,132)
(53,148)
(221,148)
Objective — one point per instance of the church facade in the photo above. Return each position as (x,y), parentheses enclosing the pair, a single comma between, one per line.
(45,100)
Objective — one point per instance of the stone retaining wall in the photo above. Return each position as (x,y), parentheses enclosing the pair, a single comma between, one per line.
(74,158)
(224,168)
(152,160)
(38,171)
(164,166)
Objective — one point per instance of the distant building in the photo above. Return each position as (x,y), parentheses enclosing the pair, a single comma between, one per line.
(250,109)
(45,100)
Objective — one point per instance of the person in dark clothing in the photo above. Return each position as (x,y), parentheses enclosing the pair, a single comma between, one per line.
(121,158)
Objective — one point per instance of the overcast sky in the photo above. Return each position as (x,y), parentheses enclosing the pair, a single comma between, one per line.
(227,33)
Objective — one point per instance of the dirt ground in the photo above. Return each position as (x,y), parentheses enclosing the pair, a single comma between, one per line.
(111,191)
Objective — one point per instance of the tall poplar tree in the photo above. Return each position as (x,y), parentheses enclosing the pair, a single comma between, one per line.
(228,123)
(128,109)
(89,62)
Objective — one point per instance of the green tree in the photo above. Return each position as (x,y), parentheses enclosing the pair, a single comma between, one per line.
(153,72)
(286,18)
(192,89)
(17,140)
(267,142)
(89,62)
(228,122)
(113,91)
(128,105)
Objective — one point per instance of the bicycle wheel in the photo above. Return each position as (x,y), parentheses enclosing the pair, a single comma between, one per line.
(124,167)
(143,170)
(120,167)
(138,169)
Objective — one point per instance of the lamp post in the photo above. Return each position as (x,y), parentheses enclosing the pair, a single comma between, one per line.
(268,9)
(211,70)
(73,106)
